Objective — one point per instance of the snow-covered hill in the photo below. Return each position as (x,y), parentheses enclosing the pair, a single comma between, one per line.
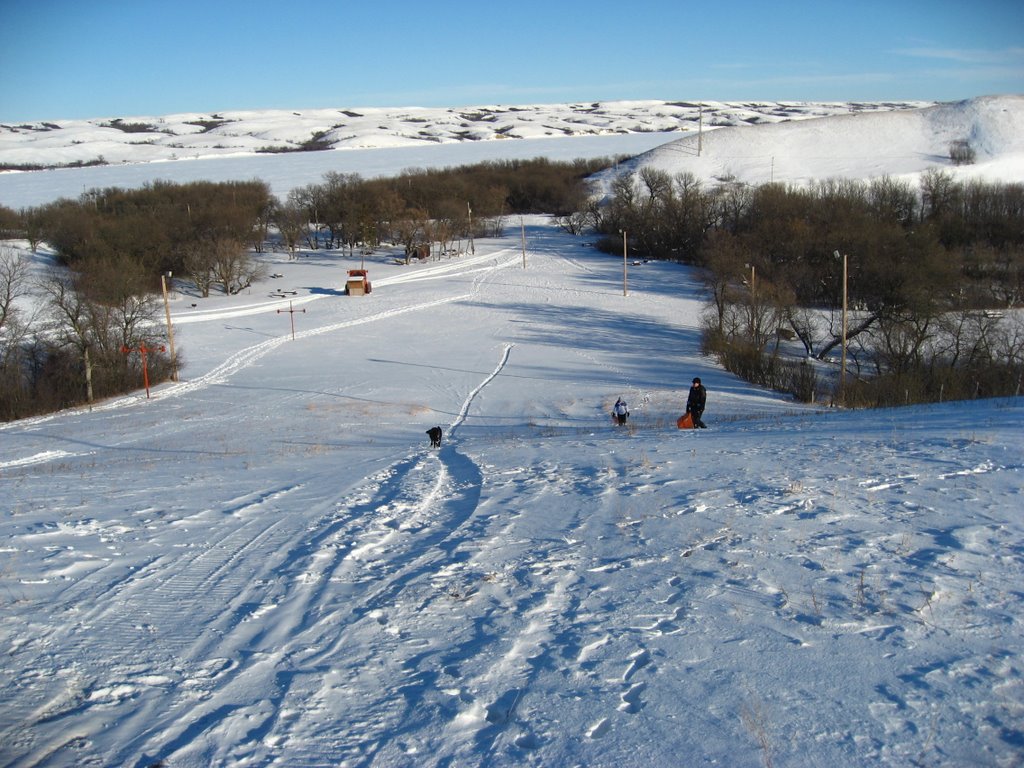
(184,136)
(859,146)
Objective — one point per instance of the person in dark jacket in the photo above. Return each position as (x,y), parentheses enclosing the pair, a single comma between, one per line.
(620,412)
(695,403)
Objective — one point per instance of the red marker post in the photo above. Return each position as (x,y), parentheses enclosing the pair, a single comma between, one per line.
(142,349)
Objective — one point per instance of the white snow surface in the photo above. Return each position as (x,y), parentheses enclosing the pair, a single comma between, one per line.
(265,564)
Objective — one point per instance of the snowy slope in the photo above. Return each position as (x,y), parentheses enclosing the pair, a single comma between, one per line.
(265,564)
(858,146)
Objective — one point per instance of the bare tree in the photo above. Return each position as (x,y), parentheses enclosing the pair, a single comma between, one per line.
(198,265)
(233,267)
(13,332)
(410,229)
(13,285)
(73,322)
(574,223)
(292,223)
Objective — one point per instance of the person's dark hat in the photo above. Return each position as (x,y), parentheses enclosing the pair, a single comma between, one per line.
(696,380)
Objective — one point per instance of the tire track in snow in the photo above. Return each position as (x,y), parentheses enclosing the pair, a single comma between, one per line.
(232,662)
(379,552)
(221,573)
(247,357)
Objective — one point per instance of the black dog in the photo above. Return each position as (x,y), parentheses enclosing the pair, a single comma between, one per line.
(435,437)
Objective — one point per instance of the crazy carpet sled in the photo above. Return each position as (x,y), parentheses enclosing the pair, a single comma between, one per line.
(685,421)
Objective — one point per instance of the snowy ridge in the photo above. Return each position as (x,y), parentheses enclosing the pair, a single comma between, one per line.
(145,139)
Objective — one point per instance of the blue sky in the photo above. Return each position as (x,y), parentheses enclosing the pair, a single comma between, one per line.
(111,58)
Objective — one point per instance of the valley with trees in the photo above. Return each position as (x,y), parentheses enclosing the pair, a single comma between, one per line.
(934,269)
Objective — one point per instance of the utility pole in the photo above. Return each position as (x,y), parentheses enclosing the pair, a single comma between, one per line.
(170,329)
(700,129)
(842,357)
(472,246)
(522,231)
(753,300)
(625,284)
(291,312)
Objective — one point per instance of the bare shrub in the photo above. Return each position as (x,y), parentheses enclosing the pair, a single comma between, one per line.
(961,152)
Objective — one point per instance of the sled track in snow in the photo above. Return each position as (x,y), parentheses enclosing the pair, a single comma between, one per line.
(464,411)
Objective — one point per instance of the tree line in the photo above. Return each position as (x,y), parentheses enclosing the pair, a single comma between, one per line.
(931,271)
(113,245)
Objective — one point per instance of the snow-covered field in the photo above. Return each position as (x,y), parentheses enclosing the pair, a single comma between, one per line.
(266,563)
(194,135)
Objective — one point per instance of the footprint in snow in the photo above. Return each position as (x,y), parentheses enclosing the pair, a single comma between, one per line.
(638,660)
(631,702)
(599,729)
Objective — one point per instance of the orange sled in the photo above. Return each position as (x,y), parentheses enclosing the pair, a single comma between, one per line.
(685,421)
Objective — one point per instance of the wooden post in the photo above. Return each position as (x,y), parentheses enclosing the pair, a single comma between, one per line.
(522,230)
(625,283)
(170,328)
(700,129)
(842,367)
(143,350)
(291,312)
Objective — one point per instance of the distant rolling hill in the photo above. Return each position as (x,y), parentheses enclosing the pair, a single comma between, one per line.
(115,140)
